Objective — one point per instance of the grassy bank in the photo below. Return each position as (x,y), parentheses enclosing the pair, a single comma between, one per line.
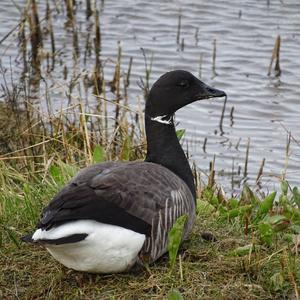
(249,253)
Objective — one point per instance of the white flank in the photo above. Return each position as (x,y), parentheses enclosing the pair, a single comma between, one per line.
(106,249)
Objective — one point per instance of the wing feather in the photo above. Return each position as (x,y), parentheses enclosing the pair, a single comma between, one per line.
(181,205)
(140,196)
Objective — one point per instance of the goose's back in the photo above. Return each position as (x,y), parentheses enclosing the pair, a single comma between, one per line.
(140,196)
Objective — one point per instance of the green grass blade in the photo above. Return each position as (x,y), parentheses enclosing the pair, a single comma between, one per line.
(98,154)
(175,295)
(174,238)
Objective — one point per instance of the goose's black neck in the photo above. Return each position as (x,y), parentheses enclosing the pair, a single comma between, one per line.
(164,148)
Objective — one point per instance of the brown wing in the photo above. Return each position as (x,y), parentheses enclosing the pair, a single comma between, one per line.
(140,196)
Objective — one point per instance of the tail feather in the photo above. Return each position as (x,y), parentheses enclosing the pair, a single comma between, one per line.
(28,238)
(74,238)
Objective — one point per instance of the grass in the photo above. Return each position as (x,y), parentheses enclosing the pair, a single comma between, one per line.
(223,268)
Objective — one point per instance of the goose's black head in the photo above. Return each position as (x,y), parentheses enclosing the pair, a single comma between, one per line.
(174,90)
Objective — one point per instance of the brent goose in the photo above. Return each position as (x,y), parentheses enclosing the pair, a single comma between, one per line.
(113,215)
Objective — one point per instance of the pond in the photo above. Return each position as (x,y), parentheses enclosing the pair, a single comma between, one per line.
(228,45)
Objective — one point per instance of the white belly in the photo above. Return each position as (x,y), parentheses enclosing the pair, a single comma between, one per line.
(106,249)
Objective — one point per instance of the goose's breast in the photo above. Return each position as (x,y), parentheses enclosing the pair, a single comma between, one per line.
(103,248)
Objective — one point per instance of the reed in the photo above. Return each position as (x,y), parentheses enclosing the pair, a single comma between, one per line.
(232,174)
(23,46)
(178,28)
(261,170)
(238,144)
(97,50)
(222,116)
(287,155)
(87,48)
(76,48)
(70,11)
(204,145)
(127,79)
(275,56)
(116,88)
(196,36)
(51,31)
(88,11)
(247,159)
(214,57)
(211,178)
(231,116)
(35,35)
(11,31)
(182,45)
(144,83)
(59,133)
(200,65)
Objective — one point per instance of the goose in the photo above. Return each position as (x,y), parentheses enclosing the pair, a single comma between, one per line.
(115,215)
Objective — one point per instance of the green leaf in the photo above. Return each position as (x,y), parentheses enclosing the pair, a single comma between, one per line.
(296,196)
(244,209)
(175,295)
(180,133)
(175,237)
(248,196)
(204,208)
(292,214)
(284,187)
(98,154)
(233,203)
(223,211)
(283,200)
(266,233)
(296,215)
(233,213)
(279,222)
(275,219)
(236,212)
(214,201)
(244,250)
(265,206)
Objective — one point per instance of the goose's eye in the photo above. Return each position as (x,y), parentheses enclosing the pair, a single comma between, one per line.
(184,83)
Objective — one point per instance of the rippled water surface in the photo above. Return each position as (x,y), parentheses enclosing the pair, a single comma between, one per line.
(259,108)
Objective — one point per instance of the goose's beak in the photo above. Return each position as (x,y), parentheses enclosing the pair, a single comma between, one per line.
(212,93)
(209,92)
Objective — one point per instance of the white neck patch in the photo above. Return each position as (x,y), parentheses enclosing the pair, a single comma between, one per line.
(162,120)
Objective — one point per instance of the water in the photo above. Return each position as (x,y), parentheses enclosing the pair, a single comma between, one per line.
(260,108)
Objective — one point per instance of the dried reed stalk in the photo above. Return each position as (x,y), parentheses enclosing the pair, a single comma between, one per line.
(35,36)
(214,58)
(98,66)
(178,29)
(88,11)
(275,55)
(247,159)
